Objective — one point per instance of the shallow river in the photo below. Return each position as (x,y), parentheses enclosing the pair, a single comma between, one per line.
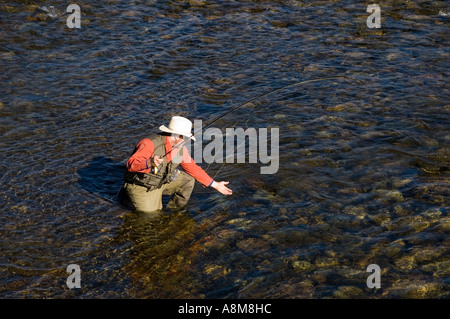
(364,153)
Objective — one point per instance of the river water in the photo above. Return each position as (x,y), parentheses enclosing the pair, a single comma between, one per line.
(364,157)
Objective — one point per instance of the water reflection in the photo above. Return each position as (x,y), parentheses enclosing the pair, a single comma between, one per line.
(160,261)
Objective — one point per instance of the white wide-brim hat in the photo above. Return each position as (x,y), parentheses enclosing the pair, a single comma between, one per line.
(179,125)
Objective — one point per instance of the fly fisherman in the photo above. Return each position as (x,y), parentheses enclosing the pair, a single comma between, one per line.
(152,170)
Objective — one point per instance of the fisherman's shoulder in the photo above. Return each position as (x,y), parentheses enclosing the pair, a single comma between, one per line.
(150,139)
(145,142)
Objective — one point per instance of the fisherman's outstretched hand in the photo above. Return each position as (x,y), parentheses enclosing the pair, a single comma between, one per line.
(221,187)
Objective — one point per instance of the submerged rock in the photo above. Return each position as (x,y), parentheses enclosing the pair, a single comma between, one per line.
(253,244)
(394,249)
(407,262)
(326,262)
(415,290)
(197,3)
(400,182)
(401,211)
(381,219)
(216,271)
(419,224)
(322,275)
(239,222)
(439,268)
(301,266)
(346,292)
(388,195)
(343,107)
(46,13)
(444,224)
(358,211)
(433,214)
(428,254)
(264,195)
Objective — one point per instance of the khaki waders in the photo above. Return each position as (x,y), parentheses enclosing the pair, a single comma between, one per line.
(149,201)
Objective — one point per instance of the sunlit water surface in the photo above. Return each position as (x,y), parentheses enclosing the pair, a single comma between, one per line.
(363,175)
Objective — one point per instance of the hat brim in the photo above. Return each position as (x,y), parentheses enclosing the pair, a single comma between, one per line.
(167,130)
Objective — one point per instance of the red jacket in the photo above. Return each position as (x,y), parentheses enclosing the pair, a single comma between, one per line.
(144,150)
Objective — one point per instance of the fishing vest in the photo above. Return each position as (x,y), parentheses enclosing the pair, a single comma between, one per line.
(151,180)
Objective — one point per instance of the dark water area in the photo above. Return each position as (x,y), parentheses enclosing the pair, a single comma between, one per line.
(364,157)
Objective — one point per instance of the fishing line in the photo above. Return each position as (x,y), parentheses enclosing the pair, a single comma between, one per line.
(225,159)
(251,101)
(266,94)
(206,169)
(221,167)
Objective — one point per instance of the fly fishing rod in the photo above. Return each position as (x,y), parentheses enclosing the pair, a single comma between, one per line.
(249,102)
